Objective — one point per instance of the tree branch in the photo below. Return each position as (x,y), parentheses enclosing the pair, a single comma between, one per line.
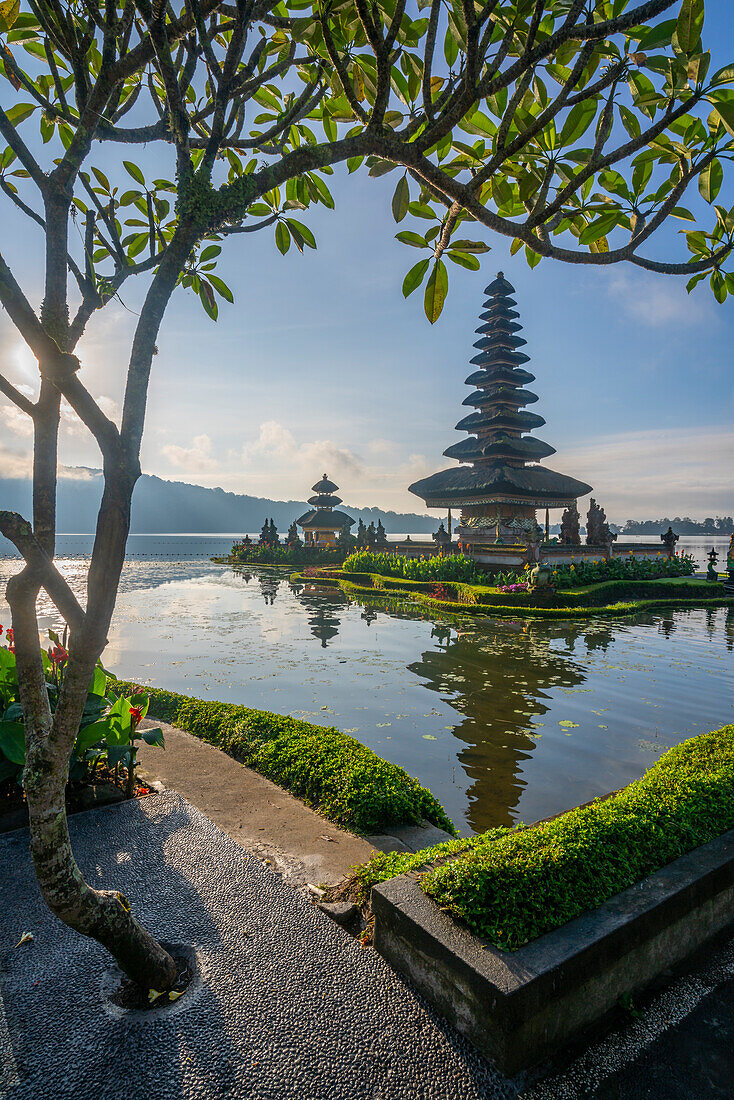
(19,532)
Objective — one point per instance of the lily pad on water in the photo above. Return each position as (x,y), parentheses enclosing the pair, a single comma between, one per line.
(565,722)
(429,737)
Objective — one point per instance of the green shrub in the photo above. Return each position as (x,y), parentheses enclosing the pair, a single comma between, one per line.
(622,568)
(284,555)
(534,880)
(618,568)
(347,782)
(453,567)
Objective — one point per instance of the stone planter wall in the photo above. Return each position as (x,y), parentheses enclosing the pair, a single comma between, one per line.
(519,1007)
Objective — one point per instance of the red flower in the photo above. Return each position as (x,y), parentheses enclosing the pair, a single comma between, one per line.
(136,715)
(58,655)
(10,635)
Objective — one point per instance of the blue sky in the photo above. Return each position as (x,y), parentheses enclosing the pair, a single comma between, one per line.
(321,365)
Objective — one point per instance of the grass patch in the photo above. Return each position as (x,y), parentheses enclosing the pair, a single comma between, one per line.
(533,880)
(331,771)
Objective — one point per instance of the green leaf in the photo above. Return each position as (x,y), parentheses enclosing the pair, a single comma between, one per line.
(99,682)
(689,25)
(91,735)
(461,258)
(20,112)
(414,239)
(282,238)
(718,285)
(599,227)
(694,280)
(415,276)
(579,119)
(630,121)
(657,36)
(724,108)
(533,258)
(470,246)
(400,199)
(437,288)
(135,172)
(209,252)
(301,231)
(9,12)
(153,737)
(209,302)
(724,76)
(710,180)
(12,741)
(222,288)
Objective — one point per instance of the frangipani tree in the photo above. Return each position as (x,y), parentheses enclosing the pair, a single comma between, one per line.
(573,128)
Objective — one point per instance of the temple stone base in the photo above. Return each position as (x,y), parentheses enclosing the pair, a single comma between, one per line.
(482,546)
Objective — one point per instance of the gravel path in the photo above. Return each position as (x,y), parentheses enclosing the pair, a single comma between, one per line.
(291,1006)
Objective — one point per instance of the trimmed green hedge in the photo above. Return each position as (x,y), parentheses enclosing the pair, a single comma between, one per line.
(534,880)
(341,778)
(385,865)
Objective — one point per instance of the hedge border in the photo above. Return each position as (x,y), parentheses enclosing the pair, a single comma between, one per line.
(328,770)
(534,880)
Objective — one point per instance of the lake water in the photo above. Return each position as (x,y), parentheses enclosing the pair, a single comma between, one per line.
(503,720)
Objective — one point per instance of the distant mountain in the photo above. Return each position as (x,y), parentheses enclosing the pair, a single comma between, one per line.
(174,507)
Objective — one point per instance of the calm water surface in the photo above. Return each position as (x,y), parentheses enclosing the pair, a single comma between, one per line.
(504,721)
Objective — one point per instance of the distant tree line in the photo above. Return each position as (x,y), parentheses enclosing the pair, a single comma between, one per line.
(718,525)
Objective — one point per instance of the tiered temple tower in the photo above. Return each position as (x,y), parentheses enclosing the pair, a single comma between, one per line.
(500,486)
(322,524)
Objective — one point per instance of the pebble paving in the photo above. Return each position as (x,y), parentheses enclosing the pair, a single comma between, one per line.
(289,1006)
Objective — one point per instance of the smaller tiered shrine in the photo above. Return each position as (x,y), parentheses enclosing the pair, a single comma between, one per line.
(323,523)
(499,485)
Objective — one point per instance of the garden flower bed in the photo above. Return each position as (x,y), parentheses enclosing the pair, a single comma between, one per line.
(614,597)
(103,762)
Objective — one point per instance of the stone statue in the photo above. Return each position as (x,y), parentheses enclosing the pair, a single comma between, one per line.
(292,539)
(669,539)
(361,535)
(570,523)
(540,576)
(345,539)
(441,537)
(381,537)
(711,574)
(597,528)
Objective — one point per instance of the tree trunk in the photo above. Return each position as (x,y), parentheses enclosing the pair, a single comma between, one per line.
(103,915)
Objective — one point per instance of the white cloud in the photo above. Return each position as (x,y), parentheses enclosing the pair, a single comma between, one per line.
(669,471)
(197,459)
(277,442)
(657,302)
(14,464)
(15,422)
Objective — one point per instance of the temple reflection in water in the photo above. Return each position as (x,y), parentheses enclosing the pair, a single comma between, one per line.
(500,696)
(319,602)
